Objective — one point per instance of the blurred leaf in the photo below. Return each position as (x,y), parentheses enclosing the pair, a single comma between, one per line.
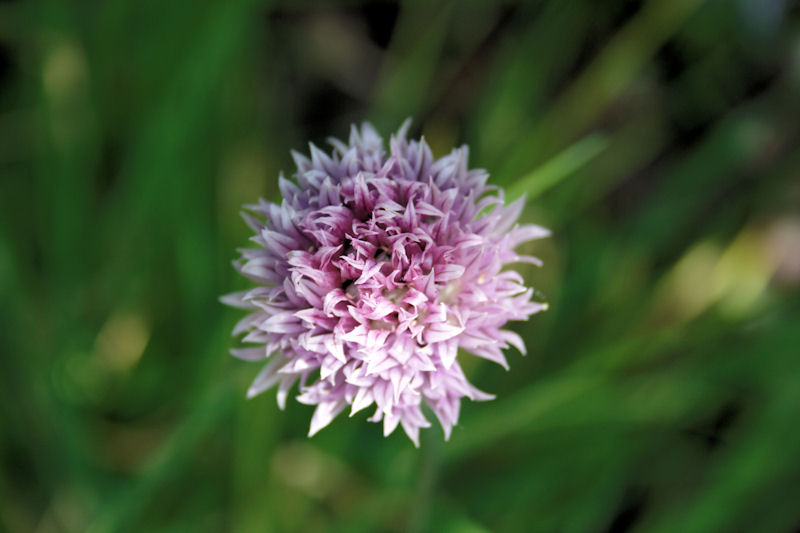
(412,60)
(558,168)
(601,83)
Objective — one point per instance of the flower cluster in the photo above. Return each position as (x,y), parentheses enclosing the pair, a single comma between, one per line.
(372,272)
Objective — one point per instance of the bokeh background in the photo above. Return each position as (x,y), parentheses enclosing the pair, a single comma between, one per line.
(658,139)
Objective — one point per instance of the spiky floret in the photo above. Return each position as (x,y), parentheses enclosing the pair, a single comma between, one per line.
(372,272)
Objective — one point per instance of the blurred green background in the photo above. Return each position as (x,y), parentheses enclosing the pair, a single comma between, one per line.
(658,139)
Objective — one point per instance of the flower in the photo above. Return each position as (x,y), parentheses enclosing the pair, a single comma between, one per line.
(372,272)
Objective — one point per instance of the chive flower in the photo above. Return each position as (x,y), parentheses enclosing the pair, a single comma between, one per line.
(372,273)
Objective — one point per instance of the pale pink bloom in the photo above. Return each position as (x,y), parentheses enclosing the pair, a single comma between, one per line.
(371,274)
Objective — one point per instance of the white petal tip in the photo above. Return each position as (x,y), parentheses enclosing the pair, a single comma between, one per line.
(315,428)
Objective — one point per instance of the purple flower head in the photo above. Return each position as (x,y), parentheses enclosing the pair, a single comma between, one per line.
(372,272)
